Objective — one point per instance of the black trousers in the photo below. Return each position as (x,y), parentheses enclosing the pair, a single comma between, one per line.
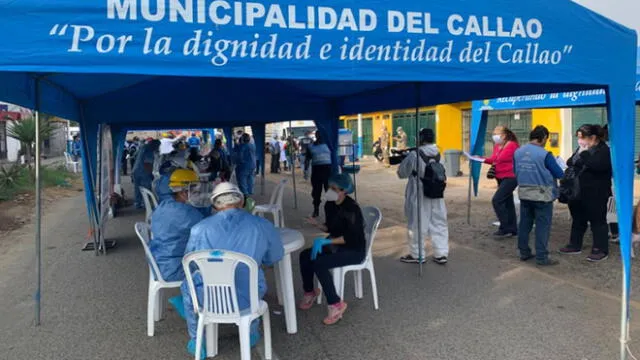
(319,180)
(321,266)
(275,163)
(504,207)
(124,164)
(590,210)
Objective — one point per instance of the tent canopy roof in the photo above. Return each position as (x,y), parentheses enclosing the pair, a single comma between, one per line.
(89,74)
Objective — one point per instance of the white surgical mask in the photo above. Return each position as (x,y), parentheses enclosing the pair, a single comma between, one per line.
(582,143)
(497,139)
(331,195)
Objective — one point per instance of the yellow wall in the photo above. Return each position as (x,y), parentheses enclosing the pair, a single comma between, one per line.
(551,118)
(449,127)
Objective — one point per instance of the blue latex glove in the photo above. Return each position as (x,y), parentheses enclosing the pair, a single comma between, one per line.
(318,244)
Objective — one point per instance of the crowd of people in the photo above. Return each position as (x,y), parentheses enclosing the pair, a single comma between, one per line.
(211,212)
(585,186)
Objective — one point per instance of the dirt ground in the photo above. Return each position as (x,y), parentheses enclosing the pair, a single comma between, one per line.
(18,212)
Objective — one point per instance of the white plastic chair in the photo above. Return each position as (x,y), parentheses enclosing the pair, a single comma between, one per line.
(274,207)
(69,163)
(155,300)
(150,202)
(372,219)
(220,301)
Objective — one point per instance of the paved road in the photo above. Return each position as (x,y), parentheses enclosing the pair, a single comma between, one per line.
(476,307)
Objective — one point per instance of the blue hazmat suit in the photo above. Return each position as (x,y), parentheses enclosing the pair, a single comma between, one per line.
(244,157)
(162,189)
(142,177)
(171,224)
(239,231)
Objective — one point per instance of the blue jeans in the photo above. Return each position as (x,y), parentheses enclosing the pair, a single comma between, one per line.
(541,213)
(245,182)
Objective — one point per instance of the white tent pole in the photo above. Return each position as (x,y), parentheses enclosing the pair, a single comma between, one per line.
(38,207)
(624,325)
(293,167)
(469,195)
(419,195)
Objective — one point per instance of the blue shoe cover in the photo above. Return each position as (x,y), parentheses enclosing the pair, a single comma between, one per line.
(191,348)
(178,306)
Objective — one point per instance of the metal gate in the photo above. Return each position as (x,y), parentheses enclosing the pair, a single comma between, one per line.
(518,121)
(367,133)
(466,130)
(407,120)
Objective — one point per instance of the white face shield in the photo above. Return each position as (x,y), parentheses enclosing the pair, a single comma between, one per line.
(199,194)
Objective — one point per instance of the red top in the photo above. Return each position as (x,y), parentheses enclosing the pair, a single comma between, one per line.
(502,158)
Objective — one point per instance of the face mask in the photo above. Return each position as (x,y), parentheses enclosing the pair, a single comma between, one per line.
(497,139)
(582,143)
(331,195)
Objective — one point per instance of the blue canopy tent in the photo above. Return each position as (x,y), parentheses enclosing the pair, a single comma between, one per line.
(203,64)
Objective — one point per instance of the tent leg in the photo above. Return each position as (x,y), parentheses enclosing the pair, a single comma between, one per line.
(293,167)
(624,323)
(418,233)
(469,196)
(38,209)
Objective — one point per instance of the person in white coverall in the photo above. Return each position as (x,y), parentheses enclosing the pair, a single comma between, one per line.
(433,212)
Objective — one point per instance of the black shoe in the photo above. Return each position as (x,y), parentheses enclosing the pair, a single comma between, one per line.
(527,257)
(410,260)
(316,213)
(442,260)
(503,234)
(569,250)
(597,256)
(547,262)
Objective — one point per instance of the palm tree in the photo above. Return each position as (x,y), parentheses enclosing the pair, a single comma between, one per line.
(25,132)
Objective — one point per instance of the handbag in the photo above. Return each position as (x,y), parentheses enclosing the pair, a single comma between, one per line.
(491,174)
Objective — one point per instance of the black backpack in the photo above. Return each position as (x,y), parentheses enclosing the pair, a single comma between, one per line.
(434,180)
(569,186)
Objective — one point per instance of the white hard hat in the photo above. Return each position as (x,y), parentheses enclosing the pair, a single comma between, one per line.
(225,188)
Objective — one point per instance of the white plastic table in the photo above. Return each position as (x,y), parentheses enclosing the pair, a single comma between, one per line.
(292,241)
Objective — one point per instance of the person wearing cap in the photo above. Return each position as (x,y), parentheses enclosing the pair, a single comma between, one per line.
(401,139)
(233,229)
(432,212)
(172,220)
(345,245)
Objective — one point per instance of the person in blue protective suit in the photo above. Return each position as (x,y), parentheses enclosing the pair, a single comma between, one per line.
(319,155)
(171,223)
(232,229)
(244,157)
(143,170)
(194,142)
(345,245)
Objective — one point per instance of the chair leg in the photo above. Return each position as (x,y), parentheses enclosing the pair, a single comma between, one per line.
(245,339)
(359,286)
(319,286)
(338,281)
(199,334)
(266,328)
(212,340)
(374,286)
(151,303)
(276,218)
(158,305)
(281,218)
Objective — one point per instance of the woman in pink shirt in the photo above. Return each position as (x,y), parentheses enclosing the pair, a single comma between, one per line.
(502,160)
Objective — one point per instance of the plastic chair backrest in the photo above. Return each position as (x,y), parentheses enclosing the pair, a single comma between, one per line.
(218,271)
(150,201)
(372,218)
(144,234)
(278,193)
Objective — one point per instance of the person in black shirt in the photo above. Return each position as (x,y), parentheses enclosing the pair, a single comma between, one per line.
(345,245)
(592,161)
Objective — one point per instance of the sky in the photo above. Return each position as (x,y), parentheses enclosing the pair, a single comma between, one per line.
(625,12)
